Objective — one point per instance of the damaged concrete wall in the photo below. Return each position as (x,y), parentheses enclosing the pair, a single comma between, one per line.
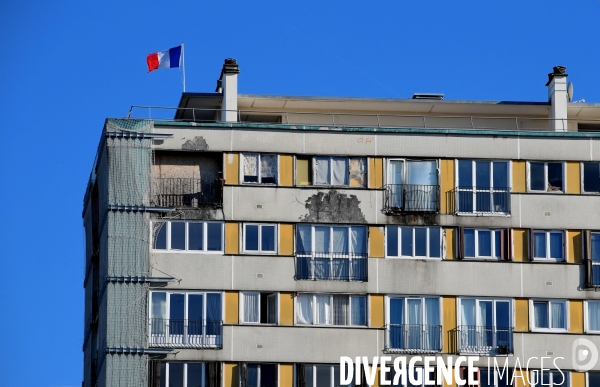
(187,165)
(333,207)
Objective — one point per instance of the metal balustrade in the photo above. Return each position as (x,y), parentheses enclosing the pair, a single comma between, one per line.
(413,338)
(482,340)
(411,198)
(177,333)
(187,192)
(482,200)
(331,266)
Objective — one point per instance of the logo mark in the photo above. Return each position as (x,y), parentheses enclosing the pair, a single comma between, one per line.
(585,355)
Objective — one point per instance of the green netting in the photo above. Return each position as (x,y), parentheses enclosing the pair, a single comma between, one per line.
(126,315)
(128,244)
(135,125)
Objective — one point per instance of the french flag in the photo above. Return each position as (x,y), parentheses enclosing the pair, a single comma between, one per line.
(167,59)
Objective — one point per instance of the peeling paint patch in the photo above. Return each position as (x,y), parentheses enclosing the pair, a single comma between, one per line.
(415,219)
(333,207)
(197,144)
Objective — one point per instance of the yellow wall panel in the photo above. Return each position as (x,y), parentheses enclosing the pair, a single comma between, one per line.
(446,186)
(573,177)
(578,379)
(377,311)
(231,308)
(450,243)
(376,381)
(376,242)
(286,308)
(521,315)
(519,176)
(230,374)
(286,239)
(521,378)
(453,384)
(375,172)
(232,238)
(448,321)
(286,375)
(520,245)
(576,316)
(232,168)
(286,170)
(574,246)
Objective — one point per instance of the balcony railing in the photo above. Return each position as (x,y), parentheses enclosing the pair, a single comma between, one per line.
(483,340)
(331,266)
(174,333)
(482,200)
(413,338)
(187,192)
(411,198)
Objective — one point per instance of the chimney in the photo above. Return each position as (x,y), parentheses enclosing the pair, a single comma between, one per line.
(227,85)
(557,95)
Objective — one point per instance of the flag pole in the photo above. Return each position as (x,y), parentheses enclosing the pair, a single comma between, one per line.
(183,64)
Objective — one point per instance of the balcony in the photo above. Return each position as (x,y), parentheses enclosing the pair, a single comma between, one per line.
(413,338)
(411,198)
(199,334)
(482,340)
(187,192)
(331,266)
(482,200)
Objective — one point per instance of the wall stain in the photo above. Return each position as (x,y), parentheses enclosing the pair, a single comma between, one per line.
(333,207)
(414,219)
(197,144)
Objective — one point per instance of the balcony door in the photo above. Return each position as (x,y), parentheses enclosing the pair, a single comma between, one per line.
(414,323)
(483,186)
(485,325)
(412,184)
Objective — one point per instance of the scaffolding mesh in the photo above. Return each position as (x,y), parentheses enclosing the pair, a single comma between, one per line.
(126,370)
(126,315)
(128,171)
(128,244)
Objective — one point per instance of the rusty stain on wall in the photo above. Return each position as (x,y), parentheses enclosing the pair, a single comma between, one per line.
(333,207)
(197,144)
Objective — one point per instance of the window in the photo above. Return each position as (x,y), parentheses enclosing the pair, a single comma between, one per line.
(319,375)
(593,316)
(549,378)
(187,374)
(593,379)
(591,177)
(549,315)
(186,319)
(546,177)
(331,309)
(484,243)
(259,168)
(259,308)
(592,258)
(190,236)
(414,324)
(341,171)
(331,252)
(484,326)
(260,238)
(483,187)
(416,242)
(548,245)
(412,185)
(258,375)
(304,170)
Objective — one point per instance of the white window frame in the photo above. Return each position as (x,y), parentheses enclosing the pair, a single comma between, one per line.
(314,171)
(476,243)
(260,294)
(349,311)
(332,369)
(258,168)
(547,240)
(582,179)
(331,227)
(549,302)
(428,254)
(260,227)
(534,375)
(404,161)
(204,250)
(586,324)
(185,365)
(491,191)
(587,377)
(564,176)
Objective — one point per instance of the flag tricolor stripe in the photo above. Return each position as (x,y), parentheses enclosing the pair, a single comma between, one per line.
(164,59)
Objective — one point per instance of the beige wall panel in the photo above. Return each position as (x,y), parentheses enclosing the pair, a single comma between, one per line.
(554,149)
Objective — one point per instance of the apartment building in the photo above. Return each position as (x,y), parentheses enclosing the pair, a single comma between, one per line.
(252,240)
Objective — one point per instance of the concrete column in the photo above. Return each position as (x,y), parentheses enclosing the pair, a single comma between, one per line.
(229,86)
(557,95)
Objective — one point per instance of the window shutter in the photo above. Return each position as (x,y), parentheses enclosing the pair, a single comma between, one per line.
(530,239)
(506,248)
(587,241)
(244,374)
(460,248)
(301,374)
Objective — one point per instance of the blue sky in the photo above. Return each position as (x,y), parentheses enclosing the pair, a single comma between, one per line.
(67,65)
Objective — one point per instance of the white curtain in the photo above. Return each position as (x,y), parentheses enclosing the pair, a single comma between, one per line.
(321,170)
(339,171)
(358,239)
(540,314)
(322,239)
(340,240)
(159,305)
(421,172)
(251,302)
(323,309)
(558,314)
(268,166)
(594,315)
(359,310)
(250,165)
(340,310)
(303,240)
(467,312)
(432,311)
(304,313)
(414,311)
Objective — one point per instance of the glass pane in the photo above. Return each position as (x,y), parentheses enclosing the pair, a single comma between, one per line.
(396,172)
(556,245)
(593,315)
(557,316)
(268,375)
(420,242)
(555,177)
(159,305)
(407,241)
(252,375)
(321,170)
(396,310)
(321,239)
(339,171)
(497,243)
(486,313)
(250,168)
(358,306)
(196,236)
(178,235)
(268,169)
(502,314)
(594,378)
(595,242)
(467,312)
(591,177)
(484,248)
(539,245)
(323,309)
(177,306)
(303,171)
(391,234)
(414,311)
(175,374)
(251,242)
(267,238)
(303,239)
(340,240)
(469,243)
(540,314)
(214,234)
(558,380)
(500,178)
(482,174)
(161,238)
(194,375)
(421,172)
(358,172)
(195,307)
(465,173)
(358,240)
(536,177)
(323,375)
(309,375)
(435,243)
